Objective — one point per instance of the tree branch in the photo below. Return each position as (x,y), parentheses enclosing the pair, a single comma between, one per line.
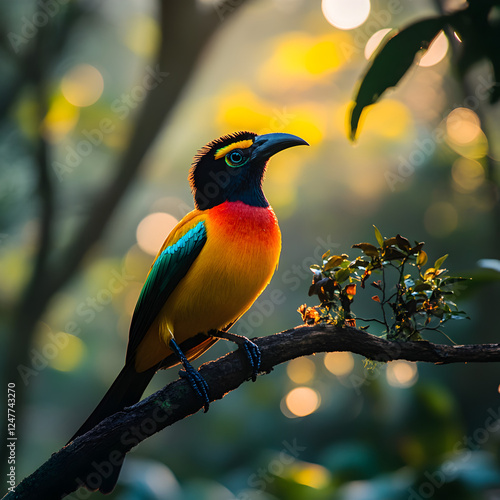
(92,455)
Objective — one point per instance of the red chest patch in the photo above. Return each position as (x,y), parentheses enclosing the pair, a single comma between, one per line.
(240,220)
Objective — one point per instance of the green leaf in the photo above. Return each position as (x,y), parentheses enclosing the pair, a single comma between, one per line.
(390,241)
(403,243)
(439,262)
(417,248)
(333,261)
(422,258)
(422,286)
(451,282)
(368,249)
(393,253)
(459,315)
(438,312)
(390,63)
(342,274)
(378,235)
(359,263)
(430,273)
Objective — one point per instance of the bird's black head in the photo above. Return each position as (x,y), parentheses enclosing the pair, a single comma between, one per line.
(232,167)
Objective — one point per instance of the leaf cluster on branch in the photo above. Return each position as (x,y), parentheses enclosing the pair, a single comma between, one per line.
(419,299)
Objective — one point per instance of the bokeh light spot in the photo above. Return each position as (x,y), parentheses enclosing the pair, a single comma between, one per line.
(478,148)
(299,61)
(82,85)
(60,119)
(440,219)
(388,118)
(61,350)
(302,401)
(239,108)
(152,231)
(339,363)
(143,35)
(137,263)
(130,300)
(312,475)
(467,175)
(463,126)
(290,52)
(308,122)
(301,370)
(346,15)
(374,41)
(401,373)
(282,184)
(71,355)
(322,57)
(436,51)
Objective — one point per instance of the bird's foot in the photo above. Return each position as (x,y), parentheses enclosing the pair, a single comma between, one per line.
(197,383)
(251,348)
(254,356)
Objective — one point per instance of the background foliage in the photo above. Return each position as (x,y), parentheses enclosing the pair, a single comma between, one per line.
(75,85)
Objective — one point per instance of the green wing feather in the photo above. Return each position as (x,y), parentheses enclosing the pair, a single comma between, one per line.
(167,271)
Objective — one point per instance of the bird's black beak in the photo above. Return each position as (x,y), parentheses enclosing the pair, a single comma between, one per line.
(267,145)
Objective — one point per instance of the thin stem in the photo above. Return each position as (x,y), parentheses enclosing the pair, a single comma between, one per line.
(382,305)
(371,320)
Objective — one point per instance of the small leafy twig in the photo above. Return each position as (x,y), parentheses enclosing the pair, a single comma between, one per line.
(421,300)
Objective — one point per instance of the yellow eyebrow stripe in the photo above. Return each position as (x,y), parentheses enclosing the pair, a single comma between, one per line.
(240,145)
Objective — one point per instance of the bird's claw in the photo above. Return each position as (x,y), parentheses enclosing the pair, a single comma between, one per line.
(197,383)
(254,356)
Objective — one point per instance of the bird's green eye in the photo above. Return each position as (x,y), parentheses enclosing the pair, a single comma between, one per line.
(235,158)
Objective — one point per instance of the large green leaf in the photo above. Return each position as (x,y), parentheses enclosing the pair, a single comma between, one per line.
(391,62)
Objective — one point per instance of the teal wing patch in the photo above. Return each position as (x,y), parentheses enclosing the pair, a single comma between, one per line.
(167,272)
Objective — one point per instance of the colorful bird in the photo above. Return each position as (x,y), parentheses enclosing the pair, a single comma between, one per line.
(209,271)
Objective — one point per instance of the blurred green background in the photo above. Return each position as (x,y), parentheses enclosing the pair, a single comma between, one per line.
(80,87)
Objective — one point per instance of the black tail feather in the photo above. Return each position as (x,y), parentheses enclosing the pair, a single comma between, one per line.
(126,390)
